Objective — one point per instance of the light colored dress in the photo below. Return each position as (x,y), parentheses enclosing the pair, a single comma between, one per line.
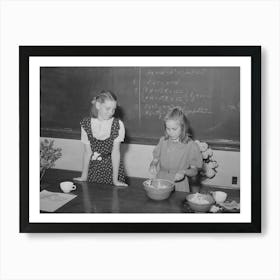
(175,157)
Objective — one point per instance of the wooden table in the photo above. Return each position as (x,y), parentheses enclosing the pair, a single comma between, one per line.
(101,198)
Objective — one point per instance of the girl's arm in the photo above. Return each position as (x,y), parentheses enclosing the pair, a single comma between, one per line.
(153,168)
(154,161)
(192,171)
(116,164)
(196,162)
(86,159)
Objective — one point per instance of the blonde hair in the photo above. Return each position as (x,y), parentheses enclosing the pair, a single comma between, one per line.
(101,98)
(177,114)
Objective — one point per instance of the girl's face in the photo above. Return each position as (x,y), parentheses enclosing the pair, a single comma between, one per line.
(106,109)
(173,129)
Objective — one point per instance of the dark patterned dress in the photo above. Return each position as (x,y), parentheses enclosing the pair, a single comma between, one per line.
(100,168)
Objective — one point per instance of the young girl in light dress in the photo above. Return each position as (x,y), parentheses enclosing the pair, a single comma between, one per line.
(176,157)
(101,135)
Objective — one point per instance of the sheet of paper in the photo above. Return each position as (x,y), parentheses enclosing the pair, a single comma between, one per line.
(51,201)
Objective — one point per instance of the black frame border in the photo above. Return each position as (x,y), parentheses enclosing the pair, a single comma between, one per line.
(25,52)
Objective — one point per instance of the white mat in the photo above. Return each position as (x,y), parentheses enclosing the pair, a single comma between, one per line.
(51,201)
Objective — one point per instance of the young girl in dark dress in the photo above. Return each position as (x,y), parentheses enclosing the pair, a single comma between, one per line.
(101,135)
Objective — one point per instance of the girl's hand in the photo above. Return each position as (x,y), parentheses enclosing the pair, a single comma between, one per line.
(153,169)
(120,184)
(81,179)
(179,176)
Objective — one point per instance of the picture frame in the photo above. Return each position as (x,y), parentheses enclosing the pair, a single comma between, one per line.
(248,58)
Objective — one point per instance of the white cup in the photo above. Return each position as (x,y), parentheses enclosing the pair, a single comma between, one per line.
(67,187)
(219,196)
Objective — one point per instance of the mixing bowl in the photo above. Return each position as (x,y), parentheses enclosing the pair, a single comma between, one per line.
(158,189)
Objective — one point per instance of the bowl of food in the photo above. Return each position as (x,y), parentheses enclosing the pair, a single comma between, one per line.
(199,202)
(158,189)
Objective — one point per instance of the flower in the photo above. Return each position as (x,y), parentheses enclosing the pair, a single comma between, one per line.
(209,165)
(48,155)
(96,156)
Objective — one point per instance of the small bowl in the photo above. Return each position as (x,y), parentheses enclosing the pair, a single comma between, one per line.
(196,205)
(158,189)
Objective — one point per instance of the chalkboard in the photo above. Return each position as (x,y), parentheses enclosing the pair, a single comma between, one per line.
(210,97)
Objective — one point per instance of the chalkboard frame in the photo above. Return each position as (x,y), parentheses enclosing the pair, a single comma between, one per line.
(255,222)
(152,51)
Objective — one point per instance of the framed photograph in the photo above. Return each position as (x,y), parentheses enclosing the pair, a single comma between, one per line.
(140,139)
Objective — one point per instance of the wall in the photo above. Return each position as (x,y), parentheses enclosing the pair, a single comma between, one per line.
(137,158)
